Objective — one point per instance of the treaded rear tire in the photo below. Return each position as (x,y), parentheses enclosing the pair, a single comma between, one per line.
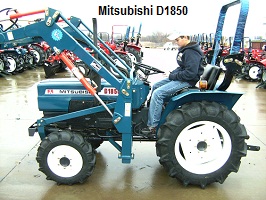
(196,113)
(42,55)
(254,71)
(135,53)
(66,158)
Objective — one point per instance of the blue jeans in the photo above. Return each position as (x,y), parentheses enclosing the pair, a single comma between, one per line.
(160,91)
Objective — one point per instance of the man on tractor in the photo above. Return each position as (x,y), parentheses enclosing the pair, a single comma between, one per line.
(187,74)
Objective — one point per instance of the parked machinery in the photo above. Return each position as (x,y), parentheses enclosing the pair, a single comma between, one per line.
(126,43)
(254,64)
(133,47)
(14,58)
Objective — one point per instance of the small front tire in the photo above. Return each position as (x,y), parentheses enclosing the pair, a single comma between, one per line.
(66,158)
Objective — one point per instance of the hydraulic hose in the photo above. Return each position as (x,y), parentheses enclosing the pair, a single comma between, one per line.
(82,79)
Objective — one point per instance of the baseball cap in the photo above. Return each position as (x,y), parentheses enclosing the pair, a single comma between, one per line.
(175,35)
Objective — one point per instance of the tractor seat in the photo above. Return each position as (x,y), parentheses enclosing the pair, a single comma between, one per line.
(211,74)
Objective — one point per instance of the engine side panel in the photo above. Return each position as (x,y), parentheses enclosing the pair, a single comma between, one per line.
(56,94)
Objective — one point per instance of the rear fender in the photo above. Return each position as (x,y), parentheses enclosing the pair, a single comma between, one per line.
(226,98)
(137,48)
(120,52)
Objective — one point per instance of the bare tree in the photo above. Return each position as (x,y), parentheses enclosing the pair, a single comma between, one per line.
(156,37)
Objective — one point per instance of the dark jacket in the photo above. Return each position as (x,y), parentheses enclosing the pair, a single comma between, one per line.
(189,59)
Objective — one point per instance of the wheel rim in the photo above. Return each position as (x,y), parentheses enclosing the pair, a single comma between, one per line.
(30,59)
(253,72)
(132,57)
(64,161)
(222,65)
(12,64)
(203,147)
(82,69)
(2,65)
(119,64)
(36,55)
(264,76)
(21,61)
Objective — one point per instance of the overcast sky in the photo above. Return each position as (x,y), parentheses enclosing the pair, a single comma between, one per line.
(202,15)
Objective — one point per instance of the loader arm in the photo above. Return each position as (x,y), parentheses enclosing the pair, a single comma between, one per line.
(59,39)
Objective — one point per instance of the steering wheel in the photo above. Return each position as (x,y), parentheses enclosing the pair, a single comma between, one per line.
(146,69)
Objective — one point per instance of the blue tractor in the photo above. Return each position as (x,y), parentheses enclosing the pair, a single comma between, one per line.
(200,139)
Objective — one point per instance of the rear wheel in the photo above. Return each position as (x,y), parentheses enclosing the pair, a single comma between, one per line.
(125,58)
(21,63)
(39,54)
(12,64)
(135,53)
(201,143)
(66,158)
(29,60)
(254,71)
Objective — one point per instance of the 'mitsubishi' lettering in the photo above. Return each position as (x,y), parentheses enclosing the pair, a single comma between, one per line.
(129,10)
(65,92)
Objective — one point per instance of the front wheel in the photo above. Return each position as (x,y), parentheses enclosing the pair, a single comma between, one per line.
(201,143)
(136,54)
(39,54)
(66,158)
(12,64)
(254,71)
